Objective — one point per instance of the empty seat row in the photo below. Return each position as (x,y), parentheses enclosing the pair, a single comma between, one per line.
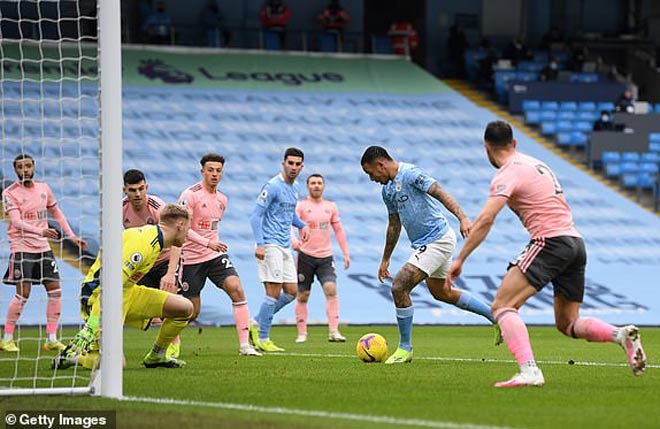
(582,106)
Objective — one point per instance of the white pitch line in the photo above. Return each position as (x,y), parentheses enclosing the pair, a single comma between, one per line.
(458,359)
(315,413)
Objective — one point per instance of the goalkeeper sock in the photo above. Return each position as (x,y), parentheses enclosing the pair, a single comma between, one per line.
(468,301)
(169,329)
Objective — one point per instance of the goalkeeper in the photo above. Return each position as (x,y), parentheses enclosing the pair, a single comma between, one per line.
(141,247)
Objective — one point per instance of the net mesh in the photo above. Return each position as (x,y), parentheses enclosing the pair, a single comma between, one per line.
(49,109)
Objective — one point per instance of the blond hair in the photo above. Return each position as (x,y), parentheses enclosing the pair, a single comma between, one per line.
(173,212)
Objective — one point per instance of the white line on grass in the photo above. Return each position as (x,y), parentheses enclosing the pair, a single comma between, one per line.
(315,413)
(458,359)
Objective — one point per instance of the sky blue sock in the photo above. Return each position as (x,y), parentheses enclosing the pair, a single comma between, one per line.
(467,301)
(404,317)
(265,317)
(285,298)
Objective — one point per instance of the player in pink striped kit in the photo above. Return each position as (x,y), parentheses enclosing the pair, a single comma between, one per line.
(204,256)
(315,256)
(555,254)
(27,203)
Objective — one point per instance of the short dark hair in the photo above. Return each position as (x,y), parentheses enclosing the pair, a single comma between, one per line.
(133,177)
(374,153)
(315,175)
(498,134)
(294,151)
(212,157)
(21,157)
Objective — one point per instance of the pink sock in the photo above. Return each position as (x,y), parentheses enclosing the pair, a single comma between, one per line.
(53,310)
(301,317)
(13,313)
(242,318)
(515,335)
(593,330)
(332,310)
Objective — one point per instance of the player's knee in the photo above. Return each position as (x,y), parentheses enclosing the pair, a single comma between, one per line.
(183,309)
(398,291)
(303,296)
(497,305)
(564,326)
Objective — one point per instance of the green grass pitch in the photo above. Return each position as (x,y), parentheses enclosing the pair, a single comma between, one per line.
(448,385)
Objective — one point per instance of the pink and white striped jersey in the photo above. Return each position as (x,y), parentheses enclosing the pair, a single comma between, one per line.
(206,209)
(320,217)
(148,215)
(27,208)
(535,195)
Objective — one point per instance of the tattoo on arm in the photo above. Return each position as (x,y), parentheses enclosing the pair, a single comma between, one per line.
(392,237)
(447,200)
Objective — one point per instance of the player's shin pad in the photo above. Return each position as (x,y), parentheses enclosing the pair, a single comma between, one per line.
(169,329)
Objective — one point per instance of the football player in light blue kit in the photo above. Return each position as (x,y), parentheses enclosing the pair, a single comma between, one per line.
(271,222)
(414,199)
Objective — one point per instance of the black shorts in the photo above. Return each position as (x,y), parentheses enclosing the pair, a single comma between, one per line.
(557,260)
(308,266)
(157,272)
(194,276)
(31,267)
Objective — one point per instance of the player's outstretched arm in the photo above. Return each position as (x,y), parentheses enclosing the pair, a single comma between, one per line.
(452,205)
(480,229)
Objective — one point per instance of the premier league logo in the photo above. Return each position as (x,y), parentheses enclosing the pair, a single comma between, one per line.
(157,69)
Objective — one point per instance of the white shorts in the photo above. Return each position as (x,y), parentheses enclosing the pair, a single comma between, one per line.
(434,258)
(277,266)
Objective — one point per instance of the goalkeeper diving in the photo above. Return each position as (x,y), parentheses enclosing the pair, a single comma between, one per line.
(140,249)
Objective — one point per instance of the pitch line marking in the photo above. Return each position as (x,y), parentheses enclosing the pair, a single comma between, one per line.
(315,413)
(458,359)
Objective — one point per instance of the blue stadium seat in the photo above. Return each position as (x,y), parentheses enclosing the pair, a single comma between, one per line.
(528,105)
(530,66)
(549,105)
(527,76)
(629,167)
(272,40)
(610,157)
(637,180)
(654,137)
(590,116)
(566,115)
(584,126)
(605,105)
(651,157)
(541,56)
(564,126)
(657,107)
(613,170)
(533,117)
(654,146)
(630,157)
(329,42)
(548,128)
(568,105)
(588,77)
(587,106)
(548,115)
(563,139)
(579,139)
(649,167)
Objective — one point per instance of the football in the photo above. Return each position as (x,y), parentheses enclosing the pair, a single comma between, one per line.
(372,348)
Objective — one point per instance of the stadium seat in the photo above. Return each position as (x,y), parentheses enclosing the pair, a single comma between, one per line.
(654,137)
(651,157)
(590,116)
(541,56)
(530,66)
(567,105)
(579,139)
(605,105)
(528,105)
(566,115)
(564,126)
(629,167)
(584,126)
(549,105)
(657,107)
(654,146)
(588,106)
(640,180)
(533,117)
(649,167)
(630,157)
(613,170)
(563,139)
(610,157)
(548,115)
(548,128)
(527,76)
(588,77)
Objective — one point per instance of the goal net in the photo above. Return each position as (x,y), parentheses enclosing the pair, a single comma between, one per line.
(50,107)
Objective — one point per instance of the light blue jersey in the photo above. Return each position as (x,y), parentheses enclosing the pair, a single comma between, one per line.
(420,213)
(276,212)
